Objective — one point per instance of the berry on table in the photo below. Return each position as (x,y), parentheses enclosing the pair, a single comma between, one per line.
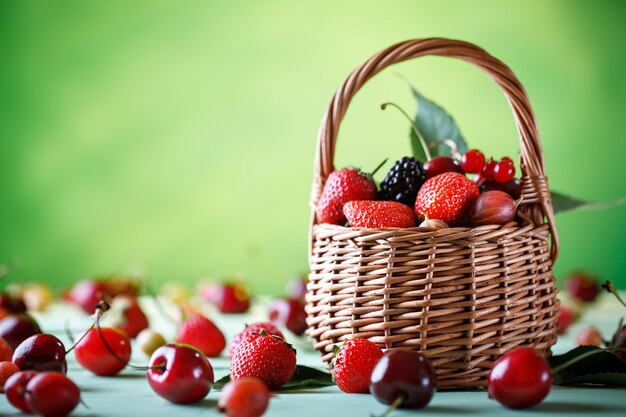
(354,363)
(126,314)
(246,397)
(378,214)
(403,181)
(51,394)
(14,389)
(403,378)
(6,370)
(180,373)
(473,161)
(565,319)
(341,186)
(149,340)
(589,336)
(446,197)
(41,352)
(520,378)
(268,327)
(582,286)
(290,314)
(266,357)
(92,353)
(6,351)
(231,298)
(202,333)
(15,328)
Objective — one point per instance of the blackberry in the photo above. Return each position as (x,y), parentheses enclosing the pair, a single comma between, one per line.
(403,181)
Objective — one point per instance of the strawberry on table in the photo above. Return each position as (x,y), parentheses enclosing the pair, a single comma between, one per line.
(378,214)
(354,363)
(341,186)
(267,326)
(266,357)
(202,333)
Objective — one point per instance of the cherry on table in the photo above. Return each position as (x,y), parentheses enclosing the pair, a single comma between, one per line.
(6,351)
(12,304)
(87,294)
(231,298)
(520,378)
(92,353)
(16,328)
(245,397)
(589,336)
(52,394)
(6,370)
(41,352)
(289,313)
(404,379)
(180,373)
(582,286)
(15,387)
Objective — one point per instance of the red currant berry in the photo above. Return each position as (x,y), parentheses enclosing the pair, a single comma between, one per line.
(52,394)
(520,378)
(506,158)
(94,355)
(473,161)
(487,172)
(504,171)
(245,397)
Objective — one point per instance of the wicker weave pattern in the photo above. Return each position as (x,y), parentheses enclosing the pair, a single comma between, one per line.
(462,296)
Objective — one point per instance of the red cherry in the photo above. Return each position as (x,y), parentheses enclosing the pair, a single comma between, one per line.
(473,161)
(487,172)
(520,378)
(94,356)
(14,389)
(41,352)
(403,374)
(440,164)
(565,320)
(16,328)
(581,286)
(290,314)
(245,397)
(6,370)
(12,304)
(504,170)
(296,288)
(52,394)
(6,351)
(180,373)
(232,298)
(126,314)
(87,294)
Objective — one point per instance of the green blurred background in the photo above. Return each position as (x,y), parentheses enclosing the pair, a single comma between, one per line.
(180,135)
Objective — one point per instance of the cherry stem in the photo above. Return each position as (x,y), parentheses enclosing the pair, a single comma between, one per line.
(84,404)
(395,404)
(608,285)
(379,167)
(454,150)
(71,336)
(413,127)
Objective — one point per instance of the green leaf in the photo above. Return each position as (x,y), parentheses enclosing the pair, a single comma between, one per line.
(562,203)
(303,377)
(596,366)
(434,123)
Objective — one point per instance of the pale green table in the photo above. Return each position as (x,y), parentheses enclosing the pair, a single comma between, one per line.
(129,394)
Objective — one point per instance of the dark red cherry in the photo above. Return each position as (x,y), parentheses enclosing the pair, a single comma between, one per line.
(440,164)
(232,298)
(41,352)
(289,313)
(180,373)
(52,394)
(403,374)
(582,286)
(520,378)
(15,328)
(12,304)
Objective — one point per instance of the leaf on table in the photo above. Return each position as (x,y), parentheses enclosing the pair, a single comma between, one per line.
(562,203)
(600,367)
(303,377)
(434,123)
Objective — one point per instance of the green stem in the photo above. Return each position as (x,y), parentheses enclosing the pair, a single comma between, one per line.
(413,126)
(379,167)
(608,285)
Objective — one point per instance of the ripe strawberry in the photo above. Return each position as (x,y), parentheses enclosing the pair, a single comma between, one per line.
(353,365)
(200,332)
(266,357)
(341,186)
(126,315)
(269,328)
(378,214)
(446,197)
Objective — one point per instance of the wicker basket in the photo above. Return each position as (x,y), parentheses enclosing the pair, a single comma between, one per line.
(462,296)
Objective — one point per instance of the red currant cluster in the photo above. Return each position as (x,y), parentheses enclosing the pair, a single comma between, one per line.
(474,162)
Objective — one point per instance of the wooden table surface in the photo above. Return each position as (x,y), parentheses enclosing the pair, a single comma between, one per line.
(129,394)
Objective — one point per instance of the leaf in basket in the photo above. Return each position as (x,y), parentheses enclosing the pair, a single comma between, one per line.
(594,366)
(304,377)
(434,123)
(562,203)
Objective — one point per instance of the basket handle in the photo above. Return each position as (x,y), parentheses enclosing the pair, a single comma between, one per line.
(536,203)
